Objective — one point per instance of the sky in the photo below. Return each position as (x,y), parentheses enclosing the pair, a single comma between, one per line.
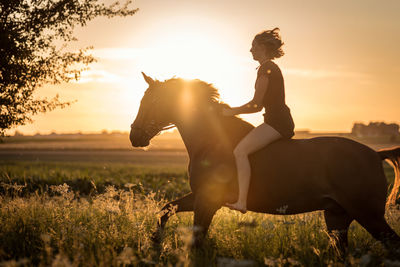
(341,62)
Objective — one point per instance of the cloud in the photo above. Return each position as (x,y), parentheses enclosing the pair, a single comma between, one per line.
(119,53)
(125,60)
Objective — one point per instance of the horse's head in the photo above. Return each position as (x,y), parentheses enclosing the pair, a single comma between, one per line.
(191,104)
(154,114)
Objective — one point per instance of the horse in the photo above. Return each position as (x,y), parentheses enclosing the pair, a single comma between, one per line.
(340,176)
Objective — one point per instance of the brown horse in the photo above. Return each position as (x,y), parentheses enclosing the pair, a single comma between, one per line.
(340,176)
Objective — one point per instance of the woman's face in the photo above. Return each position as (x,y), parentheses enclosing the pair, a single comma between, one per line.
(258,51)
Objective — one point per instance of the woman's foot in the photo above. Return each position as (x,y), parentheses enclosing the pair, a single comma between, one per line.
(237,206)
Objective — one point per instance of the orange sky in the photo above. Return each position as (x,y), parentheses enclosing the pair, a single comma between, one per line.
(341,63)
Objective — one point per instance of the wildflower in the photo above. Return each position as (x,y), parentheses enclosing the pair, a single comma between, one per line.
(61,261)
(129,185)
(60,189)
(45,237)
(269,262)
(112,208)
(127,256)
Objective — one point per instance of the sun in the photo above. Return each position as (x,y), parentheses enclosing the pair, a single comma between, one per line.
(188,54)
(201,52)
(194,50)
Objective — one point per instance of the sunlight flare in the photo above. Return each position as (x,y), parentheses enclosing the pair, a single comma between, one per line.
(186,101)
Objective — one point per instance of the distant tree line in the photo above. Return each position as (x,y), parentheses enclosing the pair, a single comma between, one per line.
(375,129)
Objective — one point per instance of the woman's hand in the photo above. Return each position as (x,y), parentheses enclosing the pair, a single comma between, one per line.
(228,112)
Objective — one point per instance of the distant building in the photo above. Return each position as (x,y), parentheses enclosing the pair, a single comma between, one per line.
(375,129)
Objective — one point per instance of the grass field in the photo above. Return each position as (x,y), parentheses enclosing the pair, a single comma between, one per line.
(87,214)
(99,208)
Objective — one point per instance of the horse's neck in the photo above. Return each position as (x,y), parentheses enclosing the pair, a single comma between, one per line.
(238,129)
(208,130)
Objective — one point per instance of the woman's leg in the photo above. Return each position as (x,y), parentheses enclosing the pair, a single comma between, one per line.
(258,138)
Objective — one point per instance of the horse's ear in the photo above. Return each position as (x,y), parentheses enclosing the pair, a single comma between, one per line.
(147,79)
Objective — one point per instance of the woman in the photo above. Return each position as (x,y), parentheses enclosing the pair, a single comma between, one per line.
(269,93)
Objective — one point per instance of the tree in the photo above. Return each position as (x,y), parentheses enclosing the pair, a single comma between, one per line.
(34,38)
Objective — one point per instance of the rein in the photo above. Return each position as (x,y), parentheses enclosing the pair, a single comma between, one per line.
(153,127)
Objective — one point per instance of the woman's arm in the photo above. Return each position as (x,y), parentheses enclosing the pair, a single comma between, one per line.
(255,105)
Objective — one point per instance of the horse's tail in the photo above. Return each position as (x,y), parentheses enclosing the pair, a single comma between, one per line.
(393,157)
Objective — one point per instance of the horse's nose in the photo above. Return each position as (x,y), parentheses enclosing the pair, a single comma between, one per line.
(138,139)
(135,142)
(140,143)
(133,138)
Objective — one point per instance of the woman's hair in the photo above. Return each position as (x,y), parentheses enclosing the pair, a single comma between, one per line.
(272,41)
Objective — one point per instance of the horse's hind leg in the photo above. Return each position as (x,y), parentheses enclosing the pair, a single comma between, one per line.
(371,215)
(338,222)
(380,230)
(185,203)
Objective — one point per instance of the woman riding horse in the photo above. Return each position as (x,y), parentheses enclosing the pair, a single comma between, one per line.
(269,93)
(340,176)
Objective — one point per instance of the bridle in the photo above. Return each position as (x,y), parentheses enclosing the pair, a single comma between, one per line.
(152,128)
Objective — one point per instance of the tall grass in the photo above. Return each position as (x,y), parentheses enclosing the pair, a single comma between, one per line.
(60,226)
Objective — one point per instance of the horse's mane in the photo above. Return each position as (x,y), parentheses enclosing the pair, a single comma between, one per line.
(204,97)
(204,94)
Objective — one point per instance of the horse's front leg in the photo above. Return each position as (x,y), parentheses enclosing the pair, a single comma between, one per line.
(185,203)
(204,211)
